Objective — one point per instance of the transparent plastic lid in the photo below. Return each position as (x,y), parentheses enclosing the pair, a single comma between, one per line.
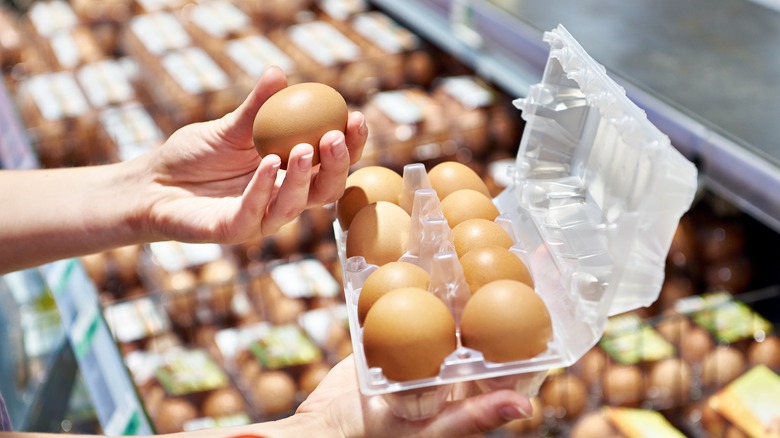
(597,186)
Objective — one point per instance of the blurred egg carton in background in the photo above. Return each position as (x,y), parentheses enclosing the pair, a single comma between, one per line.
(596,194)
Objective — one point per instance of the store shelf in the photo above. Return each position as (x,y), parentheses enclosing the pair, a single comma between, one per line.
(704,71)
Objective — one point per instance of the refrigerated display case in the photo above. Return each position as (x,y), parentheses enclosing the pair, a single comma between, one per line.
(695,46)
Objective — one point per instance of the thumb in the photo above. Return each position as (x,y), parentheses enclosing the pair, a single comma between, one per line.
(481,413)
(239,122)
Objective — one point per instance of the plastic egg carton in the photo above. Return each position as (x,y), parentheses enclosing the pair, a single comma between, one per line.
(596,194)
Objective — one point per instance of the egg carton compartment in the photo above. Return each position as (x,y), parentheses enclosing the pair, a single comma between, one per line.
(51,106)
(595,196)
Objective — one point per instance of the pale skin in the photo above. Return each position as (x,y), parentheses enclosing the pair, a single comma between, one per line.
(207,183)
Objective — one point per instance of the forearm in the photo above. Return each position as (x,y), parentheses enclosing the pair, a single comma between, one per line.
(51,214)
(297,425)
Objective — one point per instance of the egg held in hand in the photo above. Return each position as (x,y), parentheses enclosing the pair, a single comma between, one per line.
(506,321)
(408,333)
(300,113)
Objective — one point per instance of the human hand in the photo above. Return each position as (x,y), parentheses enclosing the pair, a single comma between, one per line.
(337,406)
(207,183)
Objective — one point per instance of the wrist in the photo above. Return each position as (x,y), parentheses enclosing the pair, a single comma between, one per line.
(133,182)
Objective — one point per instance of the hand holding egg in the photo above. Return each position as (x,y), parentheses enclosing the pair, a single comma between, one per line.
(208,182)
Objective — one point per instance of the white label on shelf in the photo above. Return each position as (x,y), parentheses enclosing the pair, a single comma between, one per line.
(53,16)
(159,5)
(131,128)
(160,32)
(399,107)
(66,49)
(231,341)
(136,319)
(323,43)
(195,71)
(254,54)
(304,279)
(175,256)
(342,9)
(232,420)
(57,95)
(143,365)
(316,323)
(467,91)
(219,18)
(384,32)
(105,83)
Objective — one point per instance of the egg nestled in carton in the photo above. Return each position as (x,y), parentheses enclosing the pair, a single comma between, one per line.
(593,201)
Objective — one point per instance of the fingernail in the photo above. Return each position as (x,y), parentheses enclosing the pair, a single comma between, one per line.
(338,146)
(510,413)
(362,128)
(305,161)
(276,163)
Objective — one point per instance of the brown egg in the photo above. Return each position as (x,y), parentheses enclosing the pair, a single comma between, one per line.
(733,432)
(172,414)
(95,265)
(391,276)
(682,251)
(673,327)
(289,238)
(675,287)
(300,113)
(366,186)
(696,343)
(379,233)
(475,233)
(489,263)
(126,260)
(721,365)
(321,221)
(711,421)
(223,402)
(766,352)
(526,425)
(506,321)
(593,425)
(624,385)
(451,176)
(591,366)
(408,333)
(180,281)
(566,394)
(467,204)
(732,274)
(286,310)
(670,381)
(312,376)
(721,239)
(274,393)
